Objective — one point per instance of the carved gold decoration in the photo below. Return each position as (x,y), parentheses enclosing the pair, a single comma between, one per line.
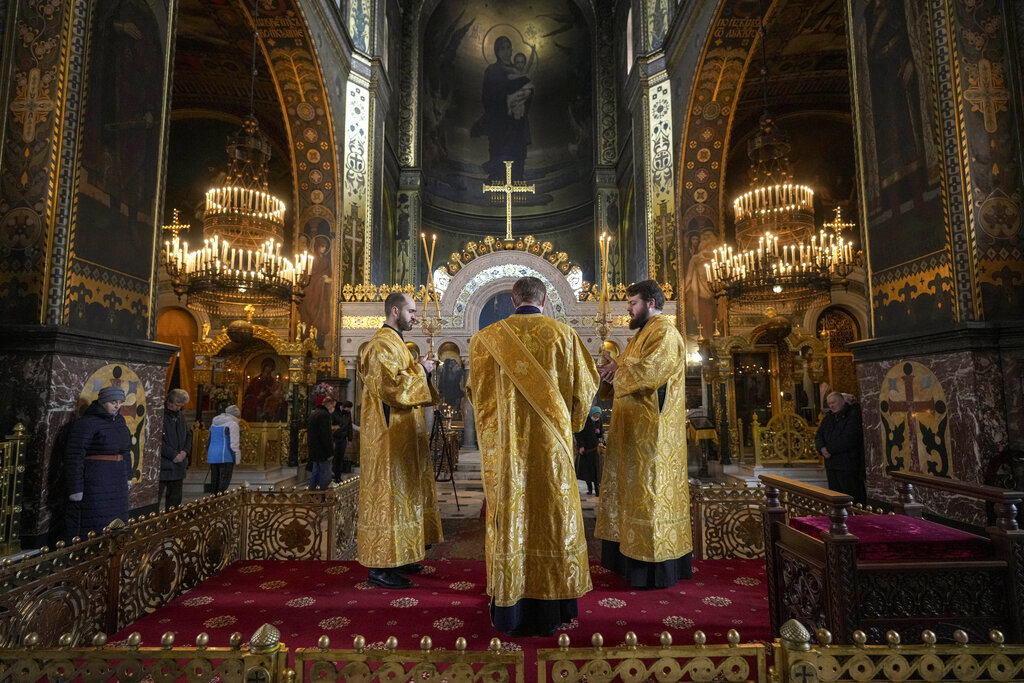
(528,243)
(135,663)
(12,467)
(361,322)
(787,439)
(392,664)
(592,292)
(727,521)
(800,659)
(663,662)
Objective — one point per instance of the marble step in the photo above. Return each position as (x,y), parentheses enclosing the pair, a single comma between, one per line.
(196,479)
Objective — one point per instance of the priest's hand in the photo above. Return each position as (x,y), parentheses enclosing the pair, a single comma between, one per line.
(428,365)
(607,371)
(824,453)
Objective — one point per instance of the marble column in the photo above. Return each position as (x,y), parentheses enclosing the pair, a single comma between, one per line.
(47,374)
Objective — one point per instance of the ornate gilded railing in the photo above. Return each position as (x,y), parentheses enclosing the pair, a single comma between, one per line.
(665,663)
(801,660)
(366,663)
(787,439)
(592,292)
(257,660)
(726,521)
(264,444)
(103,583)
(12,467)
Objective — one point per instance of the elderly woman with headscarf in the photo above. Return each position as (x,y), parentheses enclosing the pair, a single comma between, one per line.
(588,464)
(97,466)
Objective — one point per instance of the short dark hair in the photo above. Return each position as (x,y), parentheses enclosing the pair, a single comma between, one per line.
(346,404)
(528,290)
(648,290)
(394,299)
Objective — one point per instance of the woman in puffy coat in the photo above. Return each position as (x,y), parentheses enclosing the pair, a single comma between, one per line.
(97,466)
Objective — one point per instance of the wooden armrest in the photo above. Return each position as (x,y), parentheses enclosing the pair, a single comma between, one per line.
(811,491)
(836,502)
(992,494)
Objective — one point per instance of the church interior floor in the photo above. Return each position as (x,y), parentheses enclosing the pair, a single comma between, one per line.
(307,599)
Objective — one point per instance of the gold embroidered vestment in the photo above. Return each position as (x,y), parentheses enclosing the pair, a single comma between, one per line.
(645,496)
(398,513)
(531,383)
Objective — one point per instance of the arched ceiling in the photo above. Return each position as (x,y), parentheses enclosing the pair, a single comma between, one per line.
(212,69)
(805,51)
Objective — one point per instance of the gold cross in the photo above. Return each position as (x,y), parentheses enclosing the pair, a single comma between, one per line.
(509,188)
(987,95)
(32,106)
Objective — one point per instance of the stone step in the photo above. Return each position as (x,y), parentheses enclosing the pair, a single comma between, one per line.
(196,480)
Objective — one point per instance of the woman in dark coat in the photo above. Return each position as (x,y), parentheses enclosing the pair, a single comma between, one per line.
(97,466)
(840,440)
(588,465)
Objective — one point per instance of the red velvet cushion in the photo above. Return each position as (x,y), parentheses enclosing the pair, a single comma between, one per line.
(898,537)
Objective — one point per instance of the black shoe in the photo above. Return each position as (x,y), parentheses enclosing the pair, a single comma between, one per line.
(590,492)
(411,568)
(387,578)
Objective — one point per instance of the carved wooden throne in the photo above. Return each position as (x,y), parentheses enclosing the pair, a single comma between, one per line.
(899,572)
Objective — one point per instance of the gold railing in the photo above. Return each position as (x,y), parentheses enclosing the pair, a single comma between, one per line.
(726,521)
(787,439)
(801,660)
(391,664)
(103,583)
(12,468)
(253,661)
(264,444)
(665,663)
(796,657)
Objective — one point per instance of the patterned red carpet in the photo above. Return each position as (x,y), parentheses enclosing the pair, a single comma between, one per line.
(307,599)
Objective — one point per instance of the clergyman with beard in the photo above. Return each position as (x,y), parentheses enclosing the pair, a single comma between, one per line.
(398,513)
(643,517)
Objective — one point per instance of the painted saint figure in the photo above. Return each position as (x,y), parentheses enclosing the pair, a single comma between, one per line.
(507,136)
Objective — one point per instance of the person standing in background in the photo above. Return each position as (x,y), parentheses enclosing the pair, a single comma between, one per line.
(97,466)
(224,450)
(344,431)
(321,444)
(175,450)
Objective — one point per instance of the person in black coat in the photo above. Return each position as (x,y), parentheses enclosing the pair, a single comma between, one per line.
(341,418)
(840,440)
(97,466)
(175,449)
(321,444)
(588,464)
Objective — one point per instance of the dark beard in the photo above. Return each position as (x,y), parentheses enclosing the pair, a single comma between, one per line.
(638,322)
(404,325)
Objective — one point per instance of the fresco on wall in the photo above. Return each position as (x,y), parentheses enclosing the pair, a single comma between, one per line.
(113,236)
(911,276)
(507,81)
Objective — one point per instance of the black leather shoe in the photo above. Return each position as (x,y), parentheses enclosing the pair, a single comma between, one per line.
(387,578)
(412,568)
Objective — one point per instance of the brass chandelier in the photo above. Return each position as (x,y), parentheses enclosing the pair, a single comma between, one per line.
(240,263)
(778,256)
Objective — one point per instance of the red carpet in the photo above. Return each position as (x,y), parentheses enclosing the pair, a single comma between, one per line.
(307,599)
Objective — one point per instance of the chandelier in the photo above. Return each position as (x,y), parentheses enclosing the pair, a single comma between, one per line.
(778,258)
(240,263)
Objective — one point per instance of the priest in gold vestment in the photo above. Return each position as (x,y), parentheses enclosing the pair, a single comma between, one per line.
(643,517)
(531,383)
(398,513)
